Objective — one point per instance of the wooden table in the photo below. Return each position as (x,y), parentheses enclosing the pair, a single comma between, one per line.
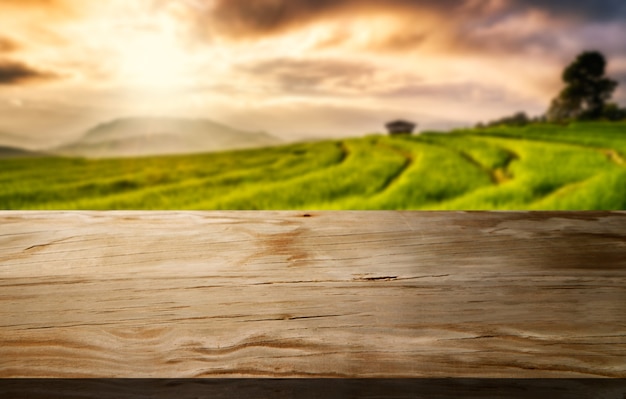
(321,294)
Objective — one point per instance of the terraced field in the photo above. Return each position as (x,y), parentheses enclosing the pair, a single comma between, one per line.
(539,167)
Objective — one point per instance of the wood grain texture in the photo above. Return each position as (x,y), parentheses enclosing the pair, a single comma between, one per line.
(322,294)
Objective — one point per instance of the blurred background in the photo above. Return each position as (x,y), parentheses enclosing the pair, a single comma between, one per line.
(290,104)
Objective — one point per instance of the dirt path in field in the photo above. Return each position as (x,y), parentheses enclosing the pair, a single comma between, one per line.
(503,174)
(614,156)
(498,176)
(408,161)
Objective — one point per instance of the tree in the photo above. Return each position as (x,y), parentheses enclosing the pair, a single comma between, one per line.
(613,112)
(517,119)
(586,92)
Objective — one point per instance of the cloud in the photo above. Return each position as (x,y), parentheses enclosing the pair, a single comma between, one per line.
(260,17)
(31,3)
(312,76)
(35,14)
(8,45)
(327,65)
(463,91)
(39,3)
(37,6)
(27,24)
(13,73)
(439,25)
(597,10)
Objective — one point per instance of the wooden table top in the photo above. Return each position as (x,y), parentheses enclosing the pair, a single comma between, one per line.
(318,294)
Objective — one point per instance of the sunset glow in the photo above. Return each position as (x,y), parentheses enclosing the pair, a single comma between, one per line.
(153,60)
(296,68)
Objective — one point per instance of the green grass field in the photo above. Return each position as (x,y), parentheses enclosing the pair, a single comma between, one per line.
(579,167)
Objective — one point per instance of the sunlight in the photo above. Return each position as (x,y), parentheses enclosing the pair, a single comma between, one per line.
(152,59)
(149,49)
(148,60)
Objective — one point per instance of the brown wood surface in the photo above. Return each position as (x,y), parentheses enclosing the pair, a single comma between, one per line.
(322,294)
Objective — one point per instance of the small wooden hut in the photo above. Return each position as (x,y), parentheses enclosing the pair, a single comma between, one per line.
(400,127)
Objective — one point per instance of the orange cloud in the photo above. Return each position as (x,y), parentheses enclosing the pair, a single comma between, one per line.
(15,73)
(37,5)
(442,25)
(28,14)
(8,45)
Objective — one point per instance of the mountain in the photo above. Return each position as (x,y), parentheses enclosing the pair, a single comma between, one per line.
(15,152)
(154,136)
(14,146)
(15,141)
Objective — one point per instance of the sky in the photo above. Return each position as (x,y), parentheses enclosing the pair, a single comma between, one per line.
(298,69)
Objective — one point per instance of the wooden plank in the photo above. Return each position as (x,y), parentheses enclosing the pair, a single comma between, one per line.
(321,294)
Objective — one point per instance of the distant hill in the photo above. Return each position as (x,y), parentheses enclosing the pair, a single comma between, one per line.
(158,136)
(15,141)
(15,152)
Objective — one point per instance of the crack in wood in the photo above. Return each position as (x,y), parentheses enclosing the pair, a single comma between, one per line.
(378,278)
(288,317)
(281,294)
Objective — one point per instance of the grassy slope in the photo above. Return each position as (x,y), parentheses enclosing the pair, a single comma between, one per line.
(538,167)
